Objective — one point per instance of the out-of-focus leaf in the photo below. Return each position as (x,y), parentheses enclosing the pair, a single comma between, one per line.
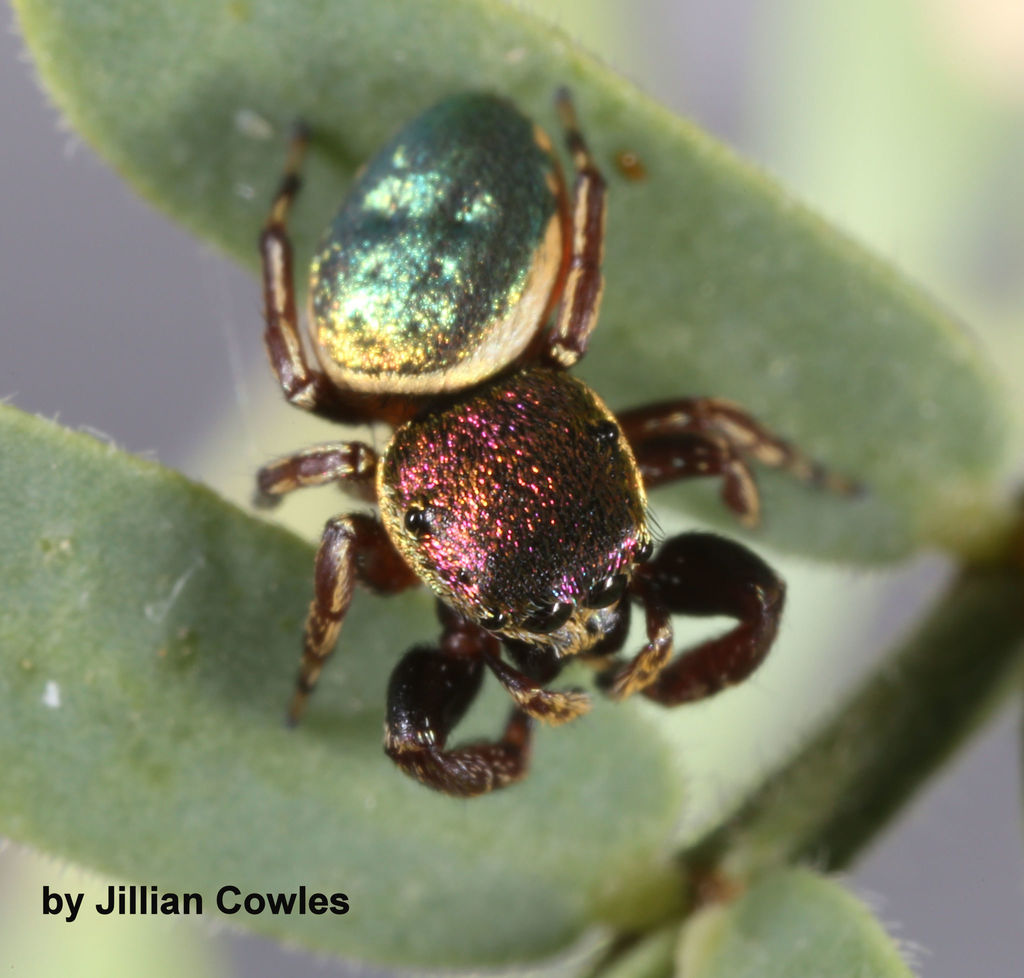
(792,922)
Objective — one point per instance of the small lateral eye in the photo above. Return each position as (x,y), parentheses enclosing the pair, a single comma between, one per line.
(493,621)
(548,618)
(417,521)
(606,432)
(607,592)
(645,552)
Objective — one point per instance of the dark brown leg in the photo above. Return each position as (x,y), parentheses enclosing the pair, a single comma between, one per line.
(581,294)
(554,706)
(461,637)
(701,574)
(429,693)
(304,385)
(354,547)
(706,436)
(640,671)
(351,463)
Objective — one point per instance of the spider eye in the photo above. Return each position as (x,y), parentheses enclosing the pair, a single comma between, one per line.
(606,432)
(494,621)
(417,521)
(644,553)
(548,618)
(607,592)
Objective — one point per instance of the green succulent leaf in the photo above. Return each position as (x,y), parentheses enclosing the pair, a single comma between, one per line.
(717,282)
(792,922)
(653,956)
(147,650)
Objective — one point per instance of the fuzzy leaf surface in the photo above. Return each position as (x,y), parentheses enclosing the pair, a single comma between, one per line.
(148,644)
(792,922)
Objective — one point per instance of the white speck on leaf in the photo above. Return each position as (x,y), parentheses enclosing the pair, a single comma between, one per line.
(51,695)
(253,125)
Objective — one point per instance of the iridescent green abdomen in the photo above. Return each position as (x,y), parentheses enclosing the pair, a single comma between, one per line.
(439,267)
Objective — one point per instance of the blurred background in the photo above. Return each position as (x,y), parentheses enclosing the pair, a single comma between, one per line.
(900,120)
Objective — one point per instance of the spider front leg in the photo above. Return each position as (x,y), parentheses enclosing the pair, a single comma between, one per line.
(352,464)
(304,385)
(710,436)
(584,284)
(701,574)
(430,691)
(353,547)
(553,706)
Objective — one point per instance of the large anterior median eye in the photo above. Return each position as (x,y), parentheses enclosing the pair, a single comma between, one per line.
(607,592)
(493,621)
(549,617)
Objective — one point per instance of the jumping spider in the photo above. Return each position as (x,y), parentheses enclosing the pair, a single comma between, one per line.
(456,286)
